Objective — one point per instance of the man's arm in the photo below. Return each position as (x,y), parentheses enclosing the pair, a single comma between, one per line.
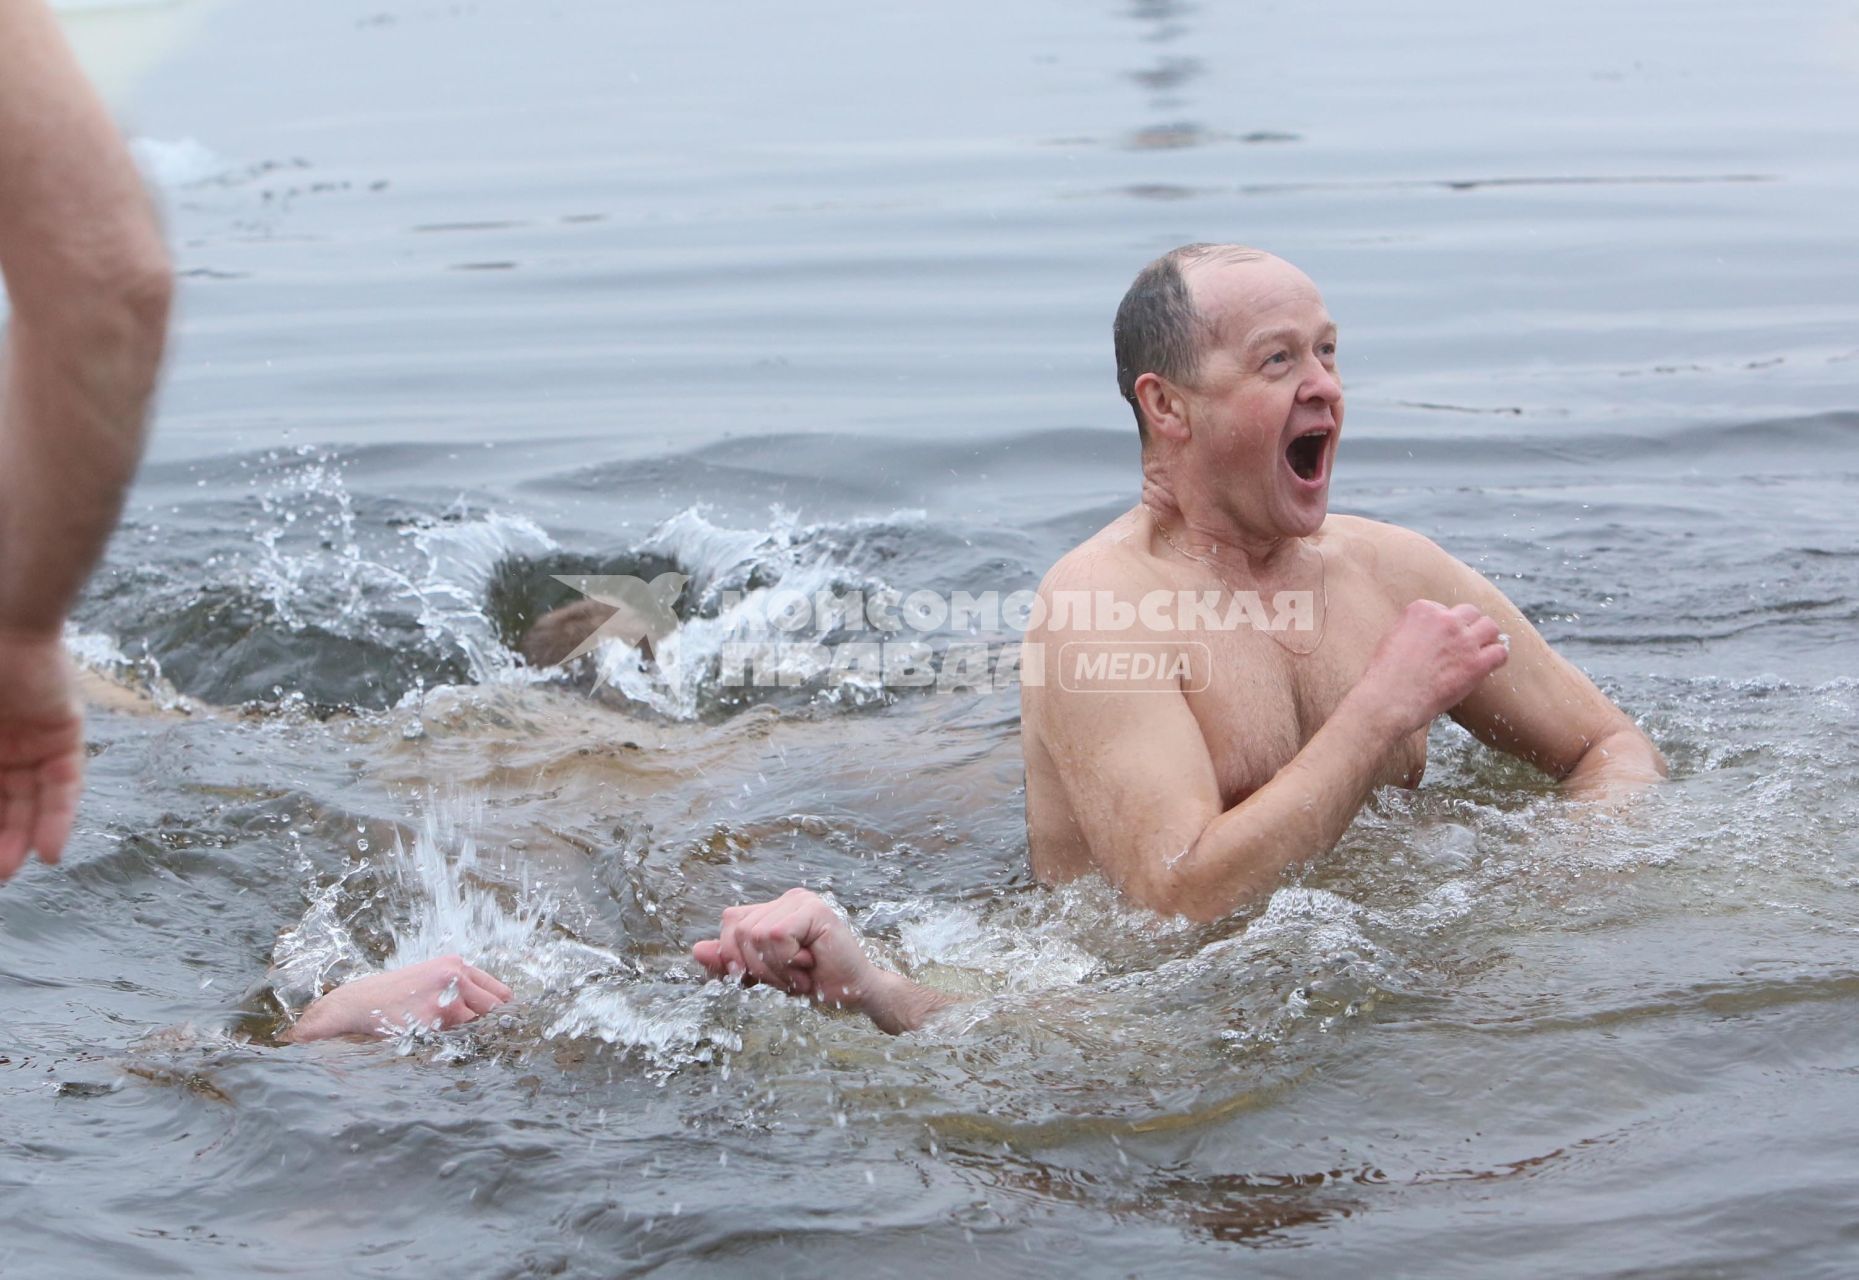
(435,995)
(89,284)
(798,944)
(1540,708)
(1140,780)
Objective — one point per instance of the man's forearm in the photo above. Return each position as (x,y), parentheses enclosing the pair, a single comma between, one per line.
(1299,815)
(72,415)
(89,286)
(896,1004)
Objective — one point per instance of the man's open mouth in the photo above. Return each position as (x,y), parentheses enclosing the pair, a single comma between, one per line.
(1306,453)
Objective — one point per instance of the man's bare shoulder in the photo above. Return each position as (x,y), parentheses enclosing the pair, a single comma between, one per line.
(1409,565)
(1116,559)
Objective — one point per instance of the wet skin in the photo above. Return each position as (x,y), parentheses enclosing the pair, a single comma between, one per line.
(1192,795)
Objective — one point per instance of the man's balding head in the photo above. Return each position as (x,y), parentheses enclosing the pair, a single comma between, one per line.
(1158,328)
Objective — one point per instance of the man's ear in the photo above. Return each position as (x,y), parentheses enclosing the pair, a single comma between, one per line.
(1163,407)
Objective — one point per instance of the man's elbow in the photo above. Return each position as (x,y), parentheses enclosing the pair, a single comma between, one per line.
(131,300)
(1178,891)
(147,290)
(1625,758)
(104,286)
(1630,745)
(112,331)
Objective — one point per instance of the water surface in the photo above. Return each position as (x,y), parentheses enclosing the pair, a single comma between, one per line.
(820,298)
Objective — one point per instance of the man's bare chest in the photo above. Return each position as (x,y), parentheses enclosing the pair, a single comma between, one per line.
(1264,701)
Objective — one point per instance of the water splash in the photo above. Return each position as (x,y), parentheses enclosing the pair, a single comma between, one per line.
(435,894)
(736,576)
(442,900)
(321,951)
(461,557)
(1016,955)
(670,1026)
(99,653)
(321,566)
(428,896)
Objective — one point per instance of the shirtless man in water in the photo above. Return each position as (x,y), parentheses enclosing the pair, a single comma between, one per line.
(1191,780)
(1251,739)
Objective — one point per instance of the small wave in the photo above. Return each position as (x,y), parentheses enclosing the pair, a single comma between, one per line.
(96,652)
(332,580)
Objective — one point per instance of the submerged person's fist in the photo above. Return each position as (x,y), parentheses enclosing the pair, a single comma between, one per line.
(1432,659)
(435,995)
(796,943)
(799,944)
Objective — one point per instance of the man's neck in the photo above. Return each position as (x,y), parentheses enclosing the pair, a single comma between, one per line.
(1200,530)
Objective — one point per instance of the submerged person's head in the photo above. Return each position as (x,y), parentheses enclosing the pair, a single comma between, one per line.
(1227,356)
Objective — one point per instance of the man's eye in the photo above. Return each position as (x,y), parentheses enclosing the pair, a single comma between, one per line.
(1281,356)
(1328,349)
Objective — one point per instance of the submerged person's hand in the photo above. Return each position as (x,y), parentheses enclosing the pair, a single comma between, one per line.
(436,995)
(798,944)
(41,750)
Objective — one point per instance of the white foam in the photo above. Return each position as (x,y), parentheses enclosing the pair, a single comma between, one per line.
(671,1029)
(95,651)
(1019,959)
(184,162)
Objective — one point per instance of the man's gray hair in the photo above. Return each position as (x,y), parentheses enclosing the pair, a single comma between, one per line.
(1157,329)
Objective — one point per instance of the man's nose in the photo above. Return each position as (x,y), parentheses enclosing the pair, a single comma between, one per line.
(1322,383)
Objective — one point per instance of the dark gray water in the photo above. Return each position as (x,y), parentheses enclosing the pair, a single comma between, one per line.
(819,297)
